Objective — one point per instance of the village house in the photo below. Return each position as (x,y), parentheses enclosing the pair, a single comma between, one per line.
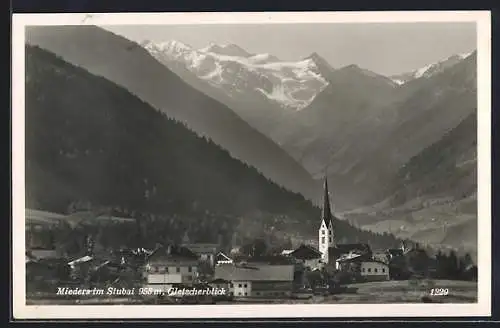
(169,266)
(308,256)
(257,280)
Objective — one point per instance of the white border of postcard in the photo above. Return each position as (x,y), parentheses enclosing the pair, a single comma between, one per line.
(481,308)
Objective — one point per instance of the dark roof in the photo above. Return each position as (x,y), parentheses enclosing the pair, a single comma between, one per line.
(266,259)
(219,280)
(249,273)
(376,261)
(395,252)
(172,252)
(355,258)
(306,252)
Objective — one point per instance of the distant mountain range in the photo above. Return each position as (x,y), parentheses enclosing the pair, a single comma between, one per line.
(429,70)
(128,64)
(361,127)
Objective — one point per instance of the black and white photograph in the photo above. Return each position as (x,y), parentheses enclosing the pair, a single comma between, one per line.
(251,165)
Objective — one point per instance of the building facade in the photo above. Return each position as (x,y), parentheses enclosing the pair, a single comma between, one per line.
(374,270)
(257,280)
(169,266)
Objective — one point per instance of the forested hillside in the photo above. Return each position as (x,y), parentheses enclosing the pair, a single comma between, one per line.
(90,140)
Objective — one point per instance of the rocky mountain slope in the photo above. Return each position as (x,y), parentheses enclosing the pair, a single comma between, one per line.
(434,195)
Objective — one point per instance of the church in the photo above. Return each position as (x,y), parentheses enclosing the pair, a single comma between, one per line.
(331,251)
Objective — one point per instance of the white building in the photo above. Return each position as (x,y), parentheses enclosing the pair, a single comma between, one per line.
(222,258)
(206,252)
(169,266)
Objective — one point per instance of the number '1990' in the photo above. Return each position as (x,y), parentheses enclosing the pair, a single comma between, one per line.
(439,291)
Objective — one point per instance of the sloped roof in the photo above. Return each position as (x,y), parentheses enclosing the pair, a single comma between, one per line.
(306,252)
(222,257)
(253,273)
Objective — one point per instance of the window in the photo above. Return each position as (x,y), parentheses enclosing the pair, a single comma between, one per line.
(376,270)
(245,293)
(156,269)
(322,240)
(245,285)
(363,269)
(330,232)
(178,269)
(239,285)
(166,269)
(323,232)
(239,293)
(257,293)
(330,239)
(231,285)
(383,269)
(190,269)
(369,270)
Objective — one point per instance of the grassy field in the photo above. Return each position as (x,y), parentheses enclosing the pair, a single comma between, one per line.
(386,292)
(404,292)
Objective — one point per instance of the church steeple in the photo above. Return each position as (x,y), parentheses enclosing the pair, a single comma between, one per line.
(326,215)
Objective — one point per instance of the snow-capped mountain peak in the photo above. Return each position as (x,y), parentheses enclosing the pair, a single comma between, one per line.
(292,85)
(430,69)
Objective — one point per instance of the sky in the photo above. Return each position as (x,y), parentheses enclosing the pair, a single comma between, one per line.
(385,48)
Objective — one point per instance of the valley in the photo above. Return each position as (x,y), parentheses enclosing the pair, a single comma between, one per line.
(400,150)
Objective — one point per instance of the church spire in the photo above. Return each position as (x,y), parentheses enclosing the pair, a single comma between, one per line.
(326,214)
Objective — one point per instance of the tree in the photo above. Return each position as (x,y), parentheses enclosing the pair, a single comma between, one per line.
(418,262)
